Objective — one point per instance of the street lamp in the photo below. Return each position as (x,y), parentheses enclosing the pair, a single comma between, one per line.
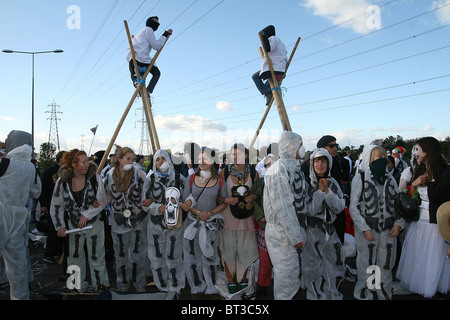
(32,83)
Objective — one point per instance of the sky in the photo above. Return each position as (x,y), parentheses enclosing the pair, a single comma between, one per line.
(363,70)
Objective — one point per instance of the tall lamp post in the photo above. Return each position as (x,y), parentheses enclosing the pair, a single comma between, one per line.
(32,83)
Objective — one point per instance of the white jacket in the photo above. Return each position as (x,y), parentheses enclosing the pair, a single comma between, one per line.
(143,43)
(277,55)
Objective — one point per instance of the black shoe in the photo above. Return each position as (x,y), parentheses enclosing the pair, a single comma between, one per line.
(268,98)
(261,292)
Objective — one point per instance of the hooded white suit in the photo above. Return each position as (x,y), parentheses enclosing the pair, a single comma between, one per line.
(129,233)
(17,184)
(165,245)
(323,259)
(285,207)
(372,208)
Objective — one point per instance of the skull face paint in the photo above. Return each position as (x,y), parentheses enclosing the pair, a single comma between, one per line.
(418,154)
(171,212)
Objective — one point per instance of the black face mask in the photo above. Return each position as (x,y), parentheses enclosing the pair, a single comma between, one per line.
(152,24)
(378,169)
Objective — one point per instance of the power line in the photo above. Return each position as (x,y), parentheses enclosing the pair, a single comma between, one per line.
(335,61)
(120,45)
(108,14)
(332,62)
(302,57)
(303,39)
(411,83)
(192,24)
(83,81)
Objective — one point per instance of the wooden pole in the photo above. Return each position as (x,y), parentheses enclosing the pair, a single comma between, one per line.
(148,109)
(116,132)
(147,119)
(127,109)
(143,91)
(271,100)
(276,93)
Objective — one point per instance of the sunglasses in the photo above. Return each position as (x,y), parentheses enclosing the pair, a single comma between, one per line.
(331,145)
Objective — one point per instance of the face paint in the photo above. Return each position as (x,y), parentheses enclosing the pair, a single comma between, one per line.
(419,154)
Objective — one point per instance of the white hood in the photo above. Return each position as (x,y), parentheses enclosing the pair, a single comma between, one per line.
(289,144)
(319,152)
(21,153)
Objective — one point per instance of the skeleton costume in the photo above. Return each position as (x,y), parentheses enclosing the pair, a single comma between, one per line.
(165,243)
(201,239)
(17,184)
(372,208)
(285,207)
(323,257)
(77,204)
(129,229)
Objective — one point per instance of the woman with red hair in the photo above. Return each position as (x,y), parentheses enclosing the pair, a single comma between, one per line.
(80,194)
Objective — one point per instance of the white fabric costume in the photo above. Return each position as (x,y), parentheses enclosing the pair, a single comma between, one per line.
(372,208)
(201,239)
(285,207)
(165,245)
(323,257)
(129,233)
(63,202)
(17,184)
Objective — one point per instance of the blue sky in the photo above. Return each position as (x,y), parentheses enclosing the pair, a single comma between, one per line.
(355,80)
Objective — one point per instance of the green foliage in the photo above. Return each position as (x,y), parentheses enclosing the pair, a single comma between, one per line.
(393,142)
(46,155)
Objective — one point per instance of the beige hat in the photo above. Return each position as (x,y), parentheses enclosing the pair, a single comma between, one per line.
(443,220)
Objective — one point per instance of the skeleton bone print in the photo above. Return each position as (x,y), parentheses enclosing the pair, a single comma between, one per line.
(129,200)
(70,204)
(373,203)
(298,184)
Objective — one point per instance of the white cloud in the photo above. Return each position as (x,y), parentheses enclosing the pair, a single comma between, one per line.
(354,16)
(443,14)
(187,123)
(223,106)
(11,119)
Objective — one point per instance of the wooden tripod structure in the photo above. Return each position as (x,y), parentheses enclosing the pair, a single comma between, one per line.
(276,91)
(140,88)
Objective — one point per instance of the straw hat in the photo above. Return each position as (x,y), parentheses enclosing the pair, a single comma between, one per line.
(443,220)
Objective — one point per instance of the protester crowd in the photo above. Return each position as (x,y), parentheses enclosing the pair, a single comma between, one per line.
(288,222)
